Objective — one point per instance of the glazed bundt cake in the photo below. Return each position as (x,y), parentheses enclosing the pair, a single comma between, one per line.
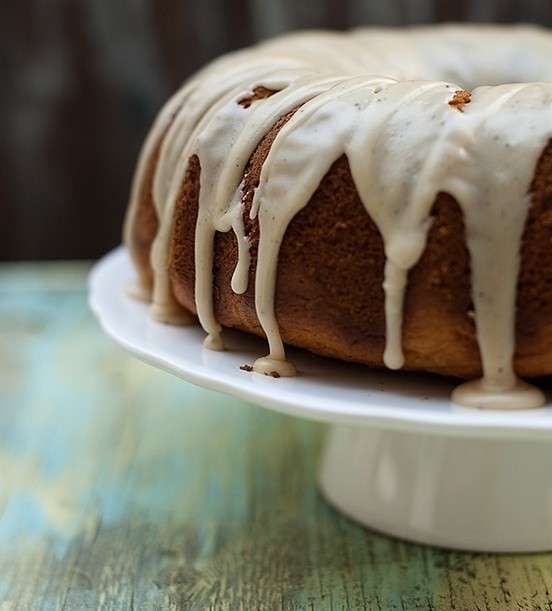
(376,196)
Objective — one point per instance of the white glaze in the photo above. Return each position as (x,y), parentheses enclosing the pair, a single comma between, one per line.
(404,143)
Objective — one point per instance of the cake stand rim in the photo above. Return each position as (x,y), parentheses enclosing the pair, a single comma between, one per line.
(520,425)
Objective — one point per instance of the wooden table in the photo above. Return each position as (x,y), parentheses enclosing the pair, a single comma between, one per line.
(122,487)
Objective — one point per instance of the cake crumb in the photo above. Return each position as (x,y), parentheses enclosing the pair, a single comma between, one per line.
(460,99)
(246,367)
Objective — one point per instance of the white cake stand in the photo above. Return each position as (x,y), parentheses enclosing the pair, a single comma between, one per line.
(400,458)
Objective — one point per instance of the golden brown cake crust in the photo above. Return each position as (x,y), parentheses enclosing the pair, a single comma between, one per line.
(330,300)
(460,99)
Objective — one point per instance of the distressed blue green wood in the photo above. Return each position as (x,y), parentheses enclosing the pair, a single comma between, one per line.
(122,487)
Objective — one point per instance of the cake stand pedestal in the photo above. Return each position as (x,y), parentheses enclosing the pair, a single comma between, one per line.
(399,458)
(471,494)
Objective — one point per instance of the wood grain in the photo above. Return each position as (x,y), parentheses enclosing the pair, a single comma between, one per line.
(122,487)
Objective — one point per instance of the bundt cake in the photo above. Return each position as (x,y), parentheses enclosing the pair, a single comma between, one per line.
(378,196)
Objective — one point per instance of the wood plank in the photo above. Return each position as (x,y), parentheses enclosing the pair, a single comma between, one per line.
(122,487)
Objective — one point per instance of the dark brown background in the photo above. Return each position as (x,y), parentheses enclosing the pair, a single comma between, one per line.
(82,80)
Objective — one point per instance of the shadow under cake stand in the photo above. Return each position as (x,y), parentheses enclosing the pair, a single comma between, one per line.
(400,457)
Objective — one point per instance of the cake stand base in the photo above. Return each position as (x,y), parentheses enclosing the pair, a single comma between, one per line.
(464,493)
